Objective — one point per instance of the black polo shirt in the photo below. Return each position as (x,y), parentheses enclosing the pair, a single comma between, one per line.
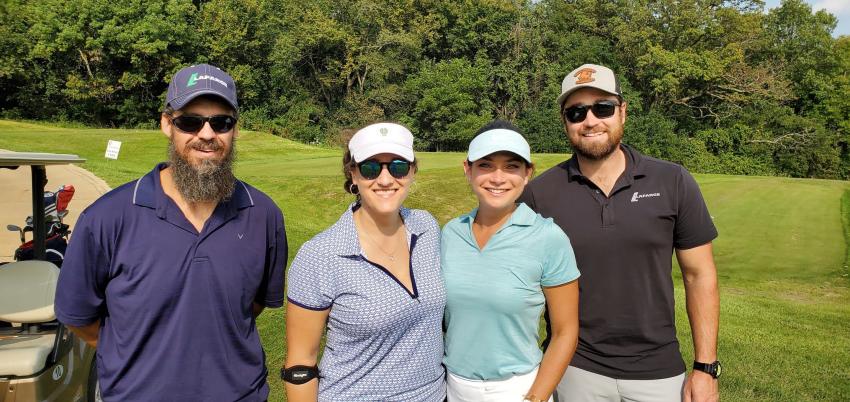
(624,245)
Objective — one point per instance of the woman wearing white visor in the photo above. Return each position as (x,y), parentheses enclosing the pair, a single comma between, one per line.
(373,281)
(502,262)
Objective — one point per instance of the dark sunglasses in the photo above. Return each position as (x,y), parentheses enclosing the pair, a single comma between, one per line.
(371,169)
(600,109)
(220,123)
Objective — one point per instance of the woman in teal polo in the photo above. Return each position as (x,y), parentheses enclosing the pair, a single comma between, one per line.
(502,263)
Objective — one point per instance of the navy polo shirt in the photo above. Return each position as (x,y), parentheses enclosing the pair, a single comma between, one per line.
(624,243)
(175,305)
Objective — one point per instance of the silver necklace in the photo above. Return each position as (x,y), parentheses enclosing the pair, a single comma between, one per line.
(391,255)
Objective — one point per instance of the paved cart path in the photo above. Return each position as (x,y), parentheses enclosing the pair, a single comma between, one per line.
(16,198)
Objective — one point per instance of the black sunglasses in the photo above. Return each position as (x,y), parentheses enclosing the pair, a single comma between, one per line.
(600,109)
(220,123)
(371,169)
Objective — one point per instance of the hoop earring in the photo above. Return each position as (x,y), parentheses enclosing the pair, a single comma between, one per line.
(352,188)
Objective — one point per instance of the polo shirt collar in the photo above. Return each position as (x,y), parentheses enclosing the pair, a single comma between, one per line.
(635,168)
(523,216)
(148,192)
(344,233)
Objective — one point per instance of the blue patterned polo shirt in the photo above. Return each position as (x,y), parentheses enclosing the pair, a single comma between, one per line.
(384,343)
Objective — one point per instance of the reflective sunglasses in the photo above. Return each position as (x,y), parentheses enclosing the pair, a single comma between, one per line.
(371,169)
(220,123)
(601,109)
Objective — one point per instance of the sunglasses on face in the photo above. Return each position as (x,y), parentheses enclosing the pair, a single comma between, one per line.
(600,109)
(220,123)
(371,169)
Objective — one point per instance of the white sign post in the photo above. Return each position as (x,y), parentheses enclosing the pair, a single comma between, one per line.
(112,149)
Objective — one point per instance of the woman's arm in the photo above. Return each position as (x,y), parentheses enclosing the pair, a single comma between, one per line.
(562,303)
(304,330)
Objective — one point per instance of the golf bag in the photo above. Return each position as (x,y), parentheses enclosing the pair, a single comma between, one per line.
(56,233)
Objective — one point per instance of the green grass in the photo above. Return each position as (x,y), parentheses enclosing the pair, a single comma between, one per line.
(781,254)
(845,219)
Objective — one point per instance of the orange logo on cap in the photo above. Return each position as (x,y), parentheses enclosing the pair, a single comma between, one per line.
(584,76)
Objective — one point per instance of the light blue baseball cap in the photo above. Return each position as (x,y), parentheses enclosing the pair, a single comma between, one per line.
(498,140)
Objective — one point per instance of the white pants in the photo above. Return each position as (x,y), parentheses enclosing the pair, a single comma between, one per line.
(579,385)
(512,389)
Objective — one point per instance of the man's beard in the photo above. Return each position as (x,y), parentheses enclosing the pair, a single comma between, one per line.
(598,151)
(212,180)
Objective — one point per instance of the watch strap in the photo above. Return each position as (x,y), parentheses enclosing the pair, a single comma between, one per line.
(713,369)
(299,374)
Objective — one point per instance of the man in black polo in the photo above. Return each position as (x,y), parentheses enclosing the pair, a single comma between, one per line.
(625,214)
(165,275)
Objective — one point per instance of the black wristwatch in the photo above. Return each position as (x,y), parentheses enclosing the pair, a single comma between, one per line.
(713,369)
(299,374)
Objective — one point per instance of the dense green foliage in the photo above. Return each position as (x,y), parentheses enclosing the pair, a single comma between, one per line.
(719,86)
(785,298)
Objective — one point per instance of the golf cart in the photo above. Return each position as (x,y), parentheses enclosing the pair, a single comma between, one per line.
(40,359)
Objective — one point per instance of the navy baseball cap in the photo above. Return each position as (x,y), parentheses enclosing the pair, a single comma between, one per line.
(201,79)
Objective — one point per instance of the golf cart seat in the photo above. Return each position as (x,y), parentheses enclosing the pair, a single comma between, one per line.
(27,289)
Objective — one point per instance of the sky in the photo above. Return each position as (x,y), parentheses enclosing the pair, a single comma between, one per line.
(839,8)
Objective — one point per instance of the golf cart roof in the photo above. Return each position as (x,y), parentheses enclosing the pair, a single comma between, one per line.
(37,159)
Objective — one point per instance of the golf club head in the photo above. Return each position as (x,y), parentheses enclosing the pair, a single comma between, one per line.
(16,228)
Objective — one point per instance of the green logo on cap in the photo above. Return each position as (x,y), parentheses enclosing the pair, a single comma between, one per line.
(192,79)
(384,131)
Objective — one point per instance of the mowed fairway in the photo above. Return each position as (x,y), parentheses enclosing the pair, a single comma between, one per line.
(785,299)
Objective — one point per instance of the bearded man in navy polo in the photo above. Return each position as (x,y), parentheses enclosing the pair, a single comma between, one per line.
(166,275)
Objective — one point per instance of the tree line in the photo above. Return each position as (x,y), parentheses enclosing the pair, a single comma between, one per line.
(719,86)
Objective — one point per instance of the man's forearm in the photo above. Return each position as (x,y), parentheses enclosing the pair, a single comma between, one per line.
(703,304)
(88,333)
(702,298)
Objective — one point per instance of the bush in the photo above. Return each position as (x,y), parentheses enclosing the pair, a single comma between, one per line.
(543,130)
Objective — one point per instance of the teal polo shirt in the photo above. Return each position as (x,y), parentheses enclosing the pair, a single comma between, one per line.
(495,296)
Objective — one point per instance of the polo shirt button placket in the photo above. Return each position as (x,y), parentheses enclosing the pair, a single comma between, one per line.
(607,219)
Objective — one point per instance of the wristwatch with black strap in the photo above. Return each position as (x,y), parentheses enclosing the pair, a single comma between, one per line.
(712,369)
(299,374)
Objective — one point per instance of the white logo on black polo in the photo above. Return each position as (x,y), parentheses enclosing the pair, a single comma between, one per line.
(636,196)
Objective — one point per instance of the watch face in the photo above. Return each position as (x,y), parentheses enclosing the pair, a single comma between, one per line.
(717,369)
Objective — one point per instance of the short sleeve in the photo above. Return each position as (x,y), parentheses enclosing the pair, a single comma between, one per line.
(271,292)
(310,279)
(560,266)
(694,225)
(445,237)
(80,292)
